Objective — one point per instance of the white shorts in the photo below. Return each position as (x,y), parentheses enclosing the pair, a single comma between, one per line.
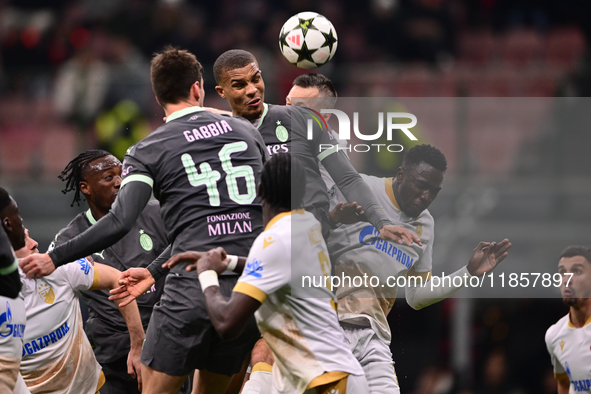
(375,357)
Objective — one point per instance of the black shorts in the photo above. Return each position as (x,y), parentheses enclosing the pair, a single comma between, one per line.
(181,338)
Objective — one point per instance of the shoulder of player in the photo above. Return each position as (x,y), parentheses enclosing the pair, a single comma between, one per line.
(554,330)
(375,184)
(278,111)
(75,227)
(426,218)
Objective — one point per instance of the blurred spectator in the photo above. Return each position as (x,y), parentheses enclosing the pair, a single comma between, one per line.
(495,380)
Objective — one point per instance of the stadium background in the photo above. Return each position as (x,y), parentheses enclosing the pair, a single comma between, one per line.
(75,75)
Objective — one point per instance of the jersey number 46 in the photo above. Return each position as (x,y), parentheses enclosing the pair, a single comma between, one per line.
(208,177)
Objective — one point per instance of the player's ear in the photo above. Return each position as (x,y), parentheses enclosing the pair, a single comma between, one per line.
(6,224)
(399,174)
(220,91)
(84,187)
(195,92)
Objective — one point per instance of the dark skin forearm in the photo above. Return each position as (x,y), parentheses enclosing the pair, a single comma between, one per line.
(229,317)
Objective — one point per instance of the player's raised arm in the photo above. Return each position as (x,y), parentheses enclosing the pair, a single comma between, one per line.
(485,257)
(131,200)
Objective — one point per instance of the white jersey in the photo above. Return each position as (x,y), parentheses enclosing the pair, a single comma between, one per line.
(12,331)
(56,355)
(12,326)
(357,251)
(569,350)
(299,324)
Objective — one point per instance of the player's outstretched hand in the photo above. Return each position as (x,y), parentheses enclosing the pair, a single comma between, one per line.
(185,257)
(347,213)
(215,259)
(486,256)
(37,265)
(399,235)
(133,283)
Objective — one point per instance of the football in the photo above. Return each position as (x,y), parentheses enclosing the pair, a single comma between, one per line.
(308,40)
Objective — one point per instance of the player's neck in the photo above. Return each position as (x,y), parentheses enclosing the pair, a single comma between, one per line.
(96,212)
(580,314)
(169,109)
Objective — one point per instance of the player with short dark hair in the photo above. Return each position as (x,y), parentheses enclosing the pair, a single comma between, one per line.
(567,341)
(284,129)
(318,81)
(173,72)
(356,251)
(96,175)
(203,168)
(298,323)
(313,85)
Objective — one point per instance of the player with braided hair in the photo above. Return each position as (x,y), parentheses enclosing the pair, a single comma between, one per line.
(74,172)
(96,176)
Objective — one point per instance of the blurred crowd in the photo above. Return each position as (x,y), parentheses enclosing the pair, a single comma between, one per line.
(75,74)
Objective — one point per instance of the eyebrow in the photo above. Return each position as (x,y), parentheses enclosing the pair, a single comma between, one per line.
(572,266)
(243,79)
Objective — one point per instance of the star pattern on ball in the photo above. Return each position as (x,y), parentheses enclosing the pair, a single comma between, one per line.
(278,122)
(282,38)
(304,53)
(306,24)
(329,39)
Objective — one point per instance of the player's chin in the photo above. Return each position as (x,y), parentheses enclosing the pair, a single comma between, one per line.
(570,300)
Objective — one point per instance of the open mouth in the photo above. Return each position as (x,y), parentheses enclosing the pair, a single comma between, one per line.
(254,103)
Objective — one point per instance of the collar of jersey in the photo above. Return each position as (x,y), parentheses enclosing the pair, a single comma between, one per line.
(182,112)
(390,193)
(265,110)
(281,216)
(90,218)
(571,325)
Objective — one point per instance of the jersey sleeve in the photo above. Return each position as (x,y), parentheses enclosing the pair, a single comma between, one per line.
(559,371)
(79,274)
(267,269)
(135,167)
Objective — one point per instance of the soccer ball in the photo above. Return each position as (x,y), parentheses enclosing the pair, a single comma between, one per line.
(308,40)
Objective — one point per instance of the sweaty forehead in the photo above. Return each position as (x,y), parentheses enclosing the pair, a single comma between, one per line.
(425,171)
(104,163)
(245,72)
